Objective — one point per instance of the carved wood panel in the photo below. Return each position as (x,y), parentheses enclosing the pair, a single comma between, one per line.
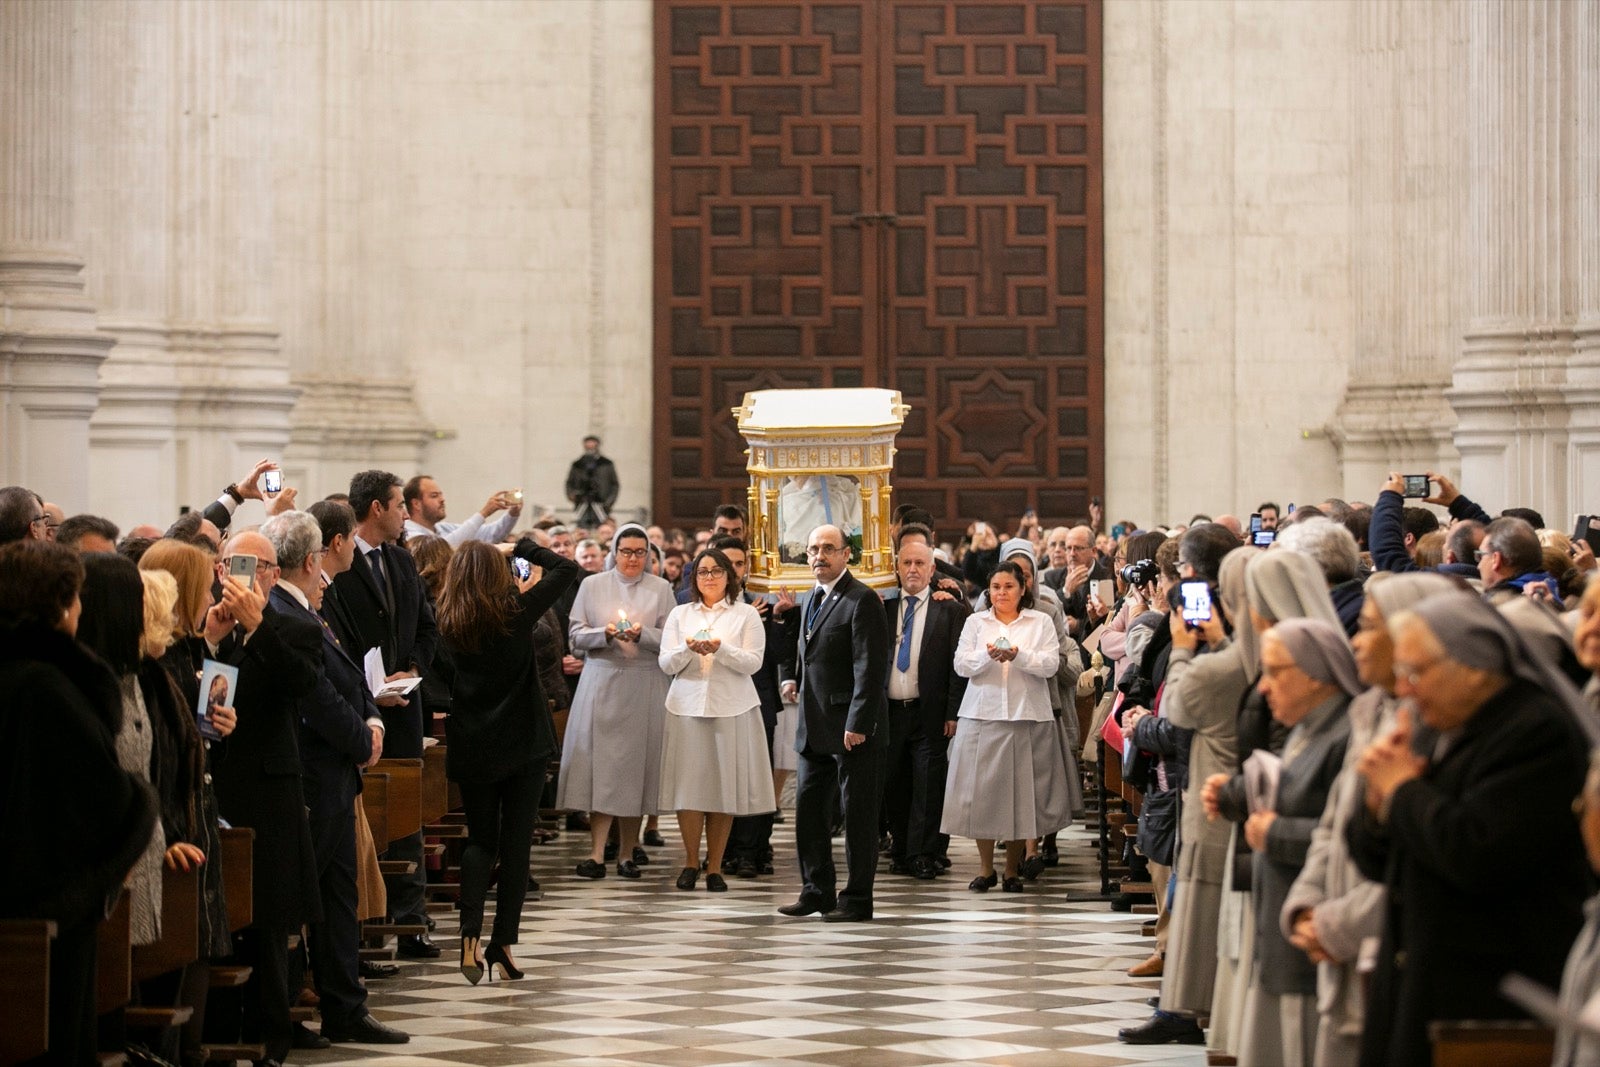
(883,193)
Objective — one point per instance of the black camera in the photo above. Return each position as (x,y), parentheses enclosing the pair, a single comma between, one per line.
(1141,572)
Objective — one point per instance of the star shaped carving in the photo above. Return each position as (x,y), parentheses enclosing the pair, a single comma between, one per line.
(992,423)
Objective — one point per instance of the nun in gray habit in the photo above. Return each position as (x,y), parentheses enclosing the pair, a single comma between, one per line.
(1309,678)
(1452,834)
(1344,908)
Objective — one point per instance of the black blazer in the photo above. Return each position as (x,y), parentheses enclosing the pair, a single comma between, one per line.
(939,687)
(257,776)
(335,739)
(499,721)
(408,640)
(842,668)
(1464,905)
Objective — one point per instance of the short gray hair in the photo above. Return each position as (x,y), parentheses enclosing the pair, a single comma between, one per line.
(295,535)
(1516,541)
(1328,543)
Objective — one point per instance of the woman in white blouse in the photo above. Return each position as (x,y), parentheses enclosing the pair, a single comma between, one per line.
(714,761)
(1007,780)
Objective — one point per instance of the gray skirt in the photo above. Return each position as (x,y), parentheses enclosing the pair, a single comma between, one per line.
(611,758)
(1007,781)
(716,764)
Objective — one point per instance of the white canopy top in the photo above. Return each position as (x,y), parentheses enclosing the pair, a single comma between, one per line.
(798,409)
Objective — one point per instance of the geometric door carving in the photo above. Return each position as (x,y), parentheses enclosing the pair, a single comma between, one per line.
(904,195)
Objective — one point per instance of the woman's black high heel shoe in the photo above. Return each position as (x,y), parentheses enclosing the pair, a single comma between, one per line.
(496,954)
(471,965)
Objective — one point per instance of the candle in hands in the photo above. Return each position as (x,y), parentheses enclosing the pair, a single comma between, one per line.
(623,625)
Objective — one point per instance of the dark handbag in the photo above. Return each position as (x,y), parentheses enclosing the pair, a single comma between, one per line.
(1158,827)
(1138,766)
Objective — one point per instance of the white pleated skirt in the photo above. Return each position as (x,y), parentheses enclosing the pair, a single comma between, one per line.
(716,765)
(1007,781)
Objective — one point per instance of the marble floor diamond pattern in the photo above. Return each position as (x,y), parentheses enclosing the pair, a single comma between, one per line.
(639,974)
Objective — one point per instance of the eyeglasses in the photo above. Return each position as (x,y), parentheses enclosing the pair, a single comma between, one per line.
(1478,554)
(36,521)
(632,553)
(714,573)
(1409,674)
(1276,670)
(822,550)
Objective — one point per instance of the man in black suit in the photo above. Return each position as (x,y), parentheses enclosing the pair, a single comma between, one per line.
(386,606)
(257,778)
(924,696)
(839,674)
(340,732)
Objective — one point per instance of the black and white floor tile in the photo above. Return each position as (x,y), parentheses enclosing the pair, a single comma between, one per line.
(639,974)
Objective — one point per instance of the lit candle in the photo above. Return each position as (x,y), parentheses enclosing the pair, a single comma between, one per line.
(623,625)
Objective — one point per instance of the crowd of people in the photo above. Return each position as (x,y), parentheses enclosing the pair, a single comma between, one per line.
(1348,725)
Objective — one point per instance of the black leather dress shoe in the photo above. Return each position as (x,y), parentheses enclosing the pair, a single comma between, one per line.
(899,866)
(654,839)
(304,1038)
(417,947)
(1164,1029)
(364,1031)
(591,869)
(627,869)
(847,915)
(746,869)
(806,906)
(641,858)
(924,869)
(369,969)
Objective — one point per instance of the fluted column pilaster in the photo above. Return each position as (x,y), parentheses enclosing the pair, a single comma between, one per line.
(50,346)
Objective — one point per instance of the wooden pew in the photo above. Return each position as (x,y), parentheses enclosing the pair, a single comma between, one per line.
(24,988)
(114,959)
(435,785)
(391,797)
(238,886)
(375,804)
(1491,1043)
(179,944)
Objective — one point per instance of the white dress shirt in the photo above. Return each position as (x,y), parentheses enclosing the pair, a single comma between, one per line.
(718,685)
(456,534)
(1018,691)
(903,684)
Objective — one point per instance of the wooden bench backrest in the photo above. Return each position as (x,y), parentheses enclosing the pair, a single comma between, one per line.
(113,986)
(1492,1043)
(435,786)
(179,943)
(404,807)
(375,805)
(238,885)
(24,988)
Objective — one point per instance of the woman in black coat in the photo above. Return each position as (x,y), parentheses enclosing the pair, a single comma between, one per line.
(500,731)
(72,822)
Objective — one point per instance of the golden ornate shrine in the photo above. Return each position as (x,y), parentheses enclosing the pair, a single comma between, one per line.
(819,456)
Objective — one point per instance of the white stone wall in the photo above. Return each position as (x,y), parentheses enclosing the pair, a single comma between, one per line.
(1228,243)
(357,233)
(1340,237)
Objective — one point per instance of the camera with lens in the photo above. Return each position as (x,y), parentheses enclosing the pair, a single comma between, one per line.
(1140,572)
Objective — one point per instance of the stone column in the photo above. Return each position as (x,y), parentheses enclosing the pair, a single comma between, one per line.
(1409,190)
(357,406)
(1510,387)
(50,346)
(1583,376)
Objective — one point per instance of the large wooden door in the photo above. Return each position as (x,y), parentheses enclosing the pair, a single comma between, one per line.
(883,193)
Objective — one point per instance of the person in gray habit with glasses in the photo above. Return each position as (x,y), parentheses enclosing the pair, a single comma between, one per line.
(838,675)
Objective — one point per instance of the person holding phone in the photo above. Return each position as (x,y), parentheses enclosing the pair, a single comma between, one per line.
(500,731)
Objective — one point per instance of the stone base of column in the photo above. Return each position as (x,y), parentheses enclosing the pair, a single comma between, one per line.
(1387,427)
(51,349)
(344,425)
(1513,398)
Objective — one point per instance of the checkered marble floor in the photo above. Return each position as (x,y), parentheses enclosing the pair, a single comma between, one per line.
(638,974)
